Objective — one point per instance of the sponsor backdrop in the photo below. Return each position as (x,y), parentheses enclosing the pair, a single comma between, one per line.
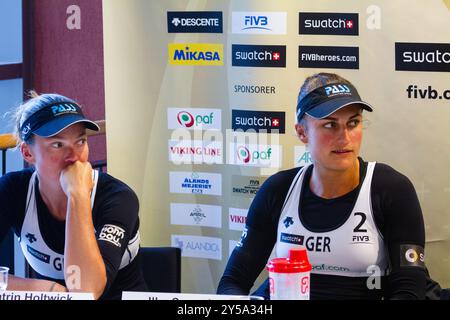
(200,99)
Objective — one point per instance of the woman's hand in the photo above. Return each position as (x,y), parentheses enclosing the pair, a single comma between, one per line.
(76,179)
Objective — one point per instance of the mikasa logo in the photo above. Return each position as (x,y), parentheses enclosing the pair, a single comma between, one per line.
(196,54)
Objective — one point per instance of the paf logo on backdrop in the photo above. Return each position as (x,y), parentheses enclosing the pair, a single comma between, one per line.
(194,118)
(258,56)
(259,22)
(196,54)
(328,23)
(255,155)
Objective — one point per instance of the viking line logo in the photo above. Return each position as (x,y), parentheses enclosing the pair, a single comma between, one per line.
(243,154)
(185,119)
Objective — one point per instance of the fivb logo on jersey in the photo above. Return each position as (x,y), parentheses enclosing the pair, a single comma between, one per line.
(196,54)
(194,118)
(259,22)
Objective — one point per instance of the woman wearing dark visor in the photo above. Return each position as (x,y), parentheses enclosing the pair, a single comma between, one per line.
(78,228)
(360,221)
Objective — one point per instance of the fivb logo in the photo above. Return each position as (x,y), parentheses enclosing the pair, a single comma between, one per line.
(255,155)
(328,23)
(196,54)
(302,157)
(194,118)
(259,22)
(194,22)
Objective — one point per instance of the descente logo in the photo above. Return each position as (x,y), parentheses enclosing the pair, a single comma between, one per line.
(196,54)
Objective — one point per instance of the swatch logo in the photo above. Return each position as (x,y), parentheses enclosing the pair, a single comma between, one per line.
(258,56)
(259,121)
(422,57)
(328,23)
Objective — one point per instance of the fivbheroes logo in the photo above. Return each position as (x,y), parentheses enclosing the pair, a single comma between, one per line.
(194,118)
(255,155)
(196,54)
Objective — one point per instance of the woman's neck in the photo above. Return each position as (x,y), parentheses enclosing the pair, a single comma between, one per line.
(54,198)
(331,184)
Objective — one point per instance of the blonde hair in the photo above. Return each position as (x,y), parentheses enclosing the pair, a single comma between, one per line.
(31,106)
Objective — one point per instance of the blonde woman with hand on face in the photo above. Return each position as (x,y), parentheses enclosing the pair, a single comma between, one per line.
(78,228)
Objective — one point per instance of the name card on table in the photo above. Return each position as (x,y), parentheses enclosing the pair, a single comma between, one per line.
(131,295)
(41,295)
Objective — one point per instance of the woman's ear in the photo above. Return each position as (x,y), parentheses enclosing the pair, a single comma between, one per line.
(301,133)
(27,153)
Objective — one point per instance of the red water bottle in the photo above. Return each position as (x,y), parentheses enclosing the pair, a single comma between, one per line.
(289,278)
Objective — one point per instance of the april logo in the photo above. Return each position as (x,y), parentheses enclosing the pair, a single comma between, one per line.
(288,221)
